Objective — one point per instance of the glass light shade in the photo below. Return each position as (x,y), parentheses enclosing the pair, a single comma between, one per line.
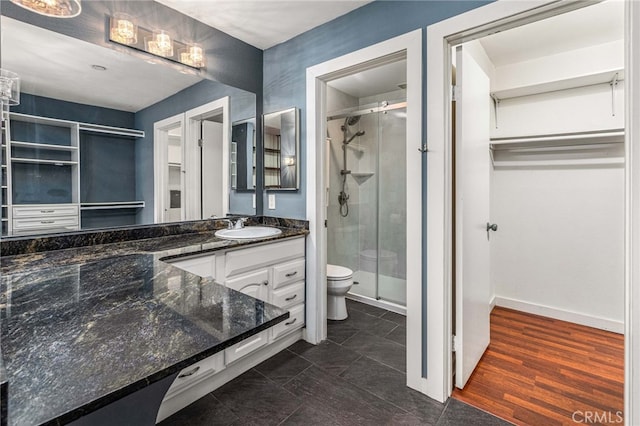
(123,29)
(53,8)
(192,56)
(9,88)
(160,44)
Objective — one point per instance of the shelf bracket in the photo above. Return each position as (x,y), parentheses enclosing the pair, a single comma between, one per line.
(614,83)
(496,102)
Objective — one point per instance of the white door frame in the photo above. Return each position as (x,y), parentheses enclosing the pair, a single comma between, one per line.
(317,78)
(192,160)
(440,37)
(160,157)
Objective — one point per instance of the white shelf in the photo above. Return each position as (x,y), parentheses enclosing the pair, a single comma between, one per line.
(42,120)
(565,162)
(118,131)
(112,205)
(361,177)
(44,146)
(37,161)
(556,85)
(559,140)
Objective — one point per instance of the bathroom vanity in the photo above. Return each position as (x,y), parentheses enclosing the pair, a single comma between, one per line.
(141,328)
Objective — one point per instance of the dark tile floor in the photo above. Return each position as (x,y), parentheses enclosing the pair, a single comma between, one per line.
(356,377)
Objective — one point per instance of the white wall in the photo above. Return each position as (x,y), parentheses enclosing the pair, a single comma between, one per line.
(559,249)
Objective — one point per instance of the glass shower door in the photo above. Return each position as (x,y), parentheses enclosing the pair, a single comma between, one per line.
(392,215)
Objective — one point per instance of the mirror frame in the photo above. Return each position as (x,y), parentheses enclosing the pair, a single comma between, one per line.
(271,116)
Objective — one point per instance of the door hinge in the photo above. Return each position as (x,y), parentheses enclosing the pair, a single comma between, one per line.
(199,142)
(325,223)
(454,343)
(455,93)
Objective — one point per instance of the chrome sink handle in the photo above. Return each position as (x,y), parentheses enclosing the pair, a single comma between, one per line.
(240,222)
(229,223)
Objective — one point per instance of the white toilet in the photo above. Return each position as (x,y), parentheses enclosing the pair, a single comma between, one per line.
(339,281)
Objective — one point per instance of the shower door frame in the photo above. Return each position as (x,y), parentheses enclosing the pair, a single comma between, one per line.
(407,46)
(360,111)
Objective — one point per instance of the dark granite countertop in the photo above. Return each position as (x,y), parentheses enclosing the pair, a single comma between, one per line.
(82,327)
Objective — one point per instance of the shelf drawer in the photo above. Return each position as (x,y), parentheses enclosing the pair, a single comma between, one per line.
(45,210)
(288,296)
(196,372)
(287,273)
(237,351)
(65,223)
(295,321)
(239,261)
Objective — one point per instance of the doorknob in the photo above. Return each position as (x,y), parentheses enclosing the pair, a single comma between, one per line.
(491,227)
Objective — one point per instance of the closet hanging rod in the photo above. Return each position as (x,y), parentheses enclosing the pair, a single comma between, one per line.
(579,137)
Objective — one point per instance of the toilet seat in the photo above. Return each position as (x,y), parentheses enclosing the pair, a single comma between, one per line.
(337,273)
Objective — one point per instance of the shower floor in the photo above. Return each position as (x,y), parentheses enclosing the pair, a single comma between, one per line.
(389,288)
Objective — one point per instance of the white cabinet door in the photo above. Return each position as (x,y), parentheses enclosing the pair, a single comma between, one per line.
(254,284)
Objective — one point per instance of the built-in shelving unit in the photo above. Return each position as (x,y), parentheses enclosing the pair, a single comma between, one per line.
(41,174)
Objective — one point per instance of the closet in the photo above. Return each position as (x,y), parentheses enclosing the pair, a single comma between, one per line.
(556,177)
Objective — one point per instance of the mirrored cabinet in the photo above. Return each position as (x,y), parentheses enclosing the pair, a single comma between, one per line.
(280,132)
(242,165)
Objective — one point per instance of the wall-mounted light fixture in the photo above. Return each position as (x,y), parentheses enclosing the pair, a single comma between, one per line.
(290,161)
(9,90)
(52,8)
(123,30)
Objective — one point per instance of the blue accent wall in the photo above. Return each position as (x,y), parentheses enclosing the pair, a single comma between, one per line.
(243,106)
(285,64)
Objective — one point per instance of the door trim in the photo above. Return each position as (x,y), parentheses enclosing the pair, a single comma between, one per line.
(440,37)
(317,78)
(160,174)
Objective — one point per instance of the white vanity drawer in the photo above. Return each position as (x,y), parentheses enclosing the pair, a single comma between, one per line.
(295,321)
(288,273)
(204,266)
(63,223)
(45,210)
(239,261)
(245,347)
(288,296)
(196,372)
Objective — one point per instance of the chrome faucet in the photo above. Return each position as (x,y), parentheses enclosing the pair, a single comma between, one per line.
(240,222)
(229,223)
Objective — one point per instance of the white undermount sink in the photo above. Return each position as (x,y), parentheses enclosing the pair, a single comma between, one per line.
(248,232)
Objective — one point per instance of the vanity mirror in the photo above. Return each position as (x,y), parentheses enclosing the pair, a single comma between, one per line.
(280,134)
(83,156)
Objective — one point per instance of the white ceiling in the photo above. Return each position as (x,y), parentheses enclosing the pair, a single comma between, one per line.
(374,81)
(592,25)
(57,66)
(264,23)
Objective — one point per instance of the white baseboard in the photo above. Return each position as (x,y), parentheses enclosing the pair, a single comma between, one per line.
(559,314)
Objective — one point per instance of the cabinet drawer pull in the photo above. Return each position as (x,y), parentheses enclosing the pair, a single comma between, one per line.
(189,373)
(46,211)
(47,221)
(291,298)
(291,274)
(265,282)
(291,322)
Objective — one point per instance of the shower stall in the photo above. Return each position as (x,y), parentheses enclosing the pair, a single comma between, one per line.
(366,212)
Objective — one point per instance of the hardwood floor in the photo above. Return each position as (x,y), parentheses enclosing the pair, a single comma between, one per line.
(542,371)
